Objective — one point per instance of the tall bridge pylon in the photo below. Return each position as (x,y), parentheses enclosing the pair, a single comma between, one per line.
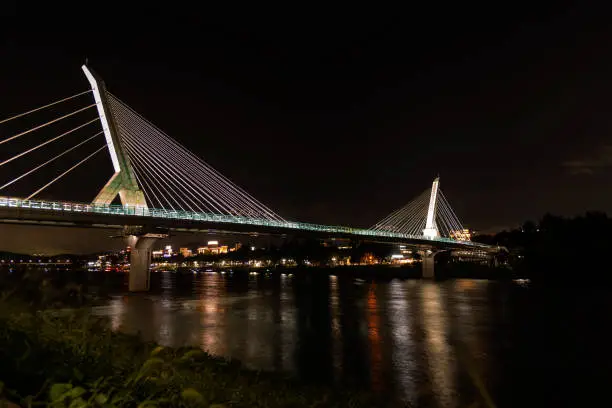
(123,182)
(151,169)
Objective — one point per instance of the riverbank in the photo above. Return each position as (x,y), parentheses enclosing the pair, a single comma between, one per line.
(67,357)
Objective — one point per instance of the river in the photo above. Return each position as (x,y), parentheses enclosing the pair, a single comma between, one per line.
(437,344)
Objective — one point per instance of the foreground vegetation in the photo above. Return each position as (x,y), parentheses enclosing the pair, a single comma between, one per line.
(64,357)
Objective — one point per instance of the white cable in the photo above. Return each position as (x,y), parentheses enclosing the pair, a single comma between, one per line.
(49,161)
(454,223)
(204,166)
(445,222)
(420,207)
(171,180)
(46,124)
(47,142)
(43,107)
(445,216)
(146,162)
(136,146)
(150,187)
(400,223)
(235,204)
(413,220)
(224,184)
(128,127)
(397,216)
(64,173)
(129,137)
(132,125)
(401,220)
(142,181)
(149,170)
(451,210)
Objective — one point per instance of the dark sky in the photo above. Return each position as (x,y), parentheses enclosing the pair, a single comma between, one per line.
(339,119)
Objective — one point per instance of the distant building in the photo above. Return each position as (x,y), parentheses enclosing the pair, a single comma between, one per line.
(212,248)
(157,254)
(461,235)
(401,259)
(368,259)
(186,252)
(404,251)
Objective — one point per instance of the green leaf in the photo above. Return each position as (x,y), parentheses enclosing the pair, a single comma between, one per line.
(147,404)
(101,399)
(157,350)
(151,363)
(193,354)
(191,394)
(78,403)
(58,391)
(77,392)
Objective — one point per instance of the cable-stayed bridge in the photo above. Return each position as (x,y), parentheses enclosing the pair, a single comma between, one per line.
(159,185)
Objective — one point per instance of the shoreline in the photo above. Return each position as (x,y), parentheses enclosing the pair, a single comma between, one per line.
(76,352)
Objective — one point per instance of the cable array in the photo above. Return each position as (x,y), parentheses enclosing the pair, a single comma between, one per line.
(85,125)
(44,106)
(172,177)
(411,218)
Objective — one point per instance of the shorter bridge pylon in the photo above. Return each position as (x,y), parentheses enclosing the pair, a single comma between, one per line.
(431,229)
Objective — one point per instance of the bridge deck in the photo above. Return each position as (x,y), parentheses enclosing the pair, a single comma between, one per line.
(60,213)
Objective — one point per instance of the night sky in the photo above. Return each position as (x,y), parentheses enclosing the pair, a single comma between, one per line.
(341,120)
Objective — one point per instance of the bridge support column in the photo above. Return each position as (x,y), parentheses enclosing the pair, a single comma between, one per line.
(428,263)
(140,259)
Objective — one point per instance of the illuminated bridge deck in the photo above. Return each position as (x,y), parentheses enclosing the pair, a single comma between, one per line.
(68,213)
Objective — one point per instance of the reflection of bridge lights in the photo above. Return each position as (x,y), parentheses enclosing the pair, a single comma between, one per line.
(403,350)
(464,284)
(373,320)
(442,369)
(210,306)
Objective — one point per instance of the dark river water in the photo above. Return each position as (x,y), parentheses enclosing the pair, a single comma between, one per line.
(455,343)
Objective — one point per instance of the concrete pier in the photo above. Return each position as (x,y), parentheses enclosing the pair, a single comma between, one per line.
(428,263)
(140,260)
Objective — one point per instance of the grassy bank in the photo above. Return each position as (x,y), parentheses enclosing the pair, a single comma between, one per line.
(68,358)
(72,359)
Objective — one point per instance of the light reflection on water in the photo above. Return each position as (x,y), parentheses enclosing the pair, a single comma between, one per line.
(403,337)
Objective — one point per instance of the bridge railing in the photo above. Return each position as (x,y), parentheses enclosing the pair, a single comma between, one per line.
(210,217)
